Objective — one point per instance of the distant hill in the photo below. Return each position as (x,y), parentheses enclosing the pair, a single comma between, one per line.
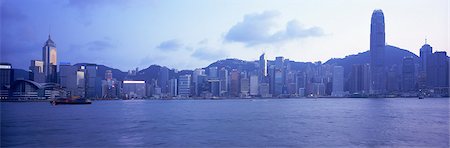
(230,64)
(394,56)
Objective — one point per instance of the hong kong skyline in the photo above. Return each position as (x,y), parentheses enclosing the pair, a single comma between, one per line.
(189,35)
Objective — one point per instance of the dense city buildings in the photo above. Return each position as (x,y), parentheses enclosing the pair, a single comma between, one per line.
(134,89)
(368,74)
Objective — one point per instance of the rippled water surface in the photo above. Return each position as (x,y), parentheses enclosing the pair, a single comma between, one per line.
(229,123)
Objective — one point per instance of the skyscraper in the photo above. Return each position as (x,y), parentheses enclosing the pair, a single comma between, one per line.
(262,69)
(426,52)
(408,74)
(234,83)
(184,86)
(254,85)
(438,73)
(5,79)
(223,77)
(49,59)
(68,78)
(377,53)
(163,79)
(93,83)
(37,71)
(338,81)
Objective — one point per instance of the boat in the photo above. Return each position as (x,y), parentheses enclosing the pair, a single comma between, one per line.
(421,97)
(71,101)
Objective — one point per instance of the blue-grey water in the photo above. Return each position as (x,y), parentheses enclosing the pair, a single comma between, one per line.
(229,123)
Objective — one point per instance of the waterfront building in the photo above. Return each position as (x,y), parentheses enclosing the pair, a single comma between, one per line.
(377,53)
(425,52)
(173,87)
(110,86)
(81,83)
(438,73)
(5,79)
(338,81)
(278,82)
(300,81)
(37,71)
(214,87)
(291,86)
(134,89)
(198,79)
(223,77)
(262,69)
(68,78)
(264,90)
(393,83)
(234,83)
(408,75)
(93,83)
(49,57)
(245,86)
(163,79)
(184,85)
(30,90)
(254,84)
(359,82)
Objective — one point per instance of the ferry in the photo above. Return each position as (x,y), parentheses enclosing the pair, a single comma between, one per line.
(71,101)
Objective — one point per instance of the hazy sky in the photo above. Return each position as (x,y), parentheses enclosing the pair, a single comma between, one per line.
(190,34)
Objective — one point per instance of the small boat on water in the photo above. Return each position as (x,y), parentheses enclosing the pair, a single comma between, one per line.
(71,101)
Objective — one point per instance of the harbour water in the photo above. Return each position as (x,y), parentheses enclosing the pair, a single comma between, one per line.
(229,123)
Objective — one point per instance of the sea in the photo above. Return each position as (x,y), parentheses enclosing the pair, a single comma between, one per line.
(321,122)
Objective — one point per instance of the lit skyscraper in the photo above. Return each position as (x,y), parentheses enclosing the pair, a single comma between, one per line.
(37,71)
(377,53)
(49,58)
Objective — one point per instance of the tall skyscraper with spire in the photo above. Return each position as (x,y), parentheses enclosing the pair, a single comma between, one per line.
(49,58)
(377,53)
(262,68)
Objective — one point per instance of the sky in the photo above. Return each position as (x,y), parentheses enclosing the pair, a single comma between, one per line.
(183,34)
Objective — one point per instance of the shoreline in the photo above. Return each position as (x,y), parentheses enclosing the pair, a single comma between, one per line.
(228,99)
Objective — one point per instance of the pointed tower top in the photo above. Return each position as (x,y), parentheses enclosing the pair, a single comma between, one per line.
(425,40)
(49,42)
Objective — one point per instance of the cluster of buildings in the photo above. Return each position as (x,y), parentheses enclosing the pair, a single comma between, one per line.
(264,79)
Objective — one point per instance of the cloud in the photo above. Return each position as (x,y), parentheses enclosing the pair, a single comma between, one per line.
(84,5)
(258,29)
(170,45)
(97,45)
(209,54)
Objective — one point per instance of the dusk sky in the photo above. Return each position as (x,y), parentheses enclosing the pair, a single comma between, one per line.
(126,34)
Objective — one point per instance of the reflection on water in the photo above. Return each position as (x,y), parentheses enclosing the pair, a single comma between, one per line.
(230,123)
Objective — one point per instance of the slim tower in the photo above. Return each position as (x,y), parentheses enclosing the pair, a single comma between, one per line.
(377,53)
(49,59)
